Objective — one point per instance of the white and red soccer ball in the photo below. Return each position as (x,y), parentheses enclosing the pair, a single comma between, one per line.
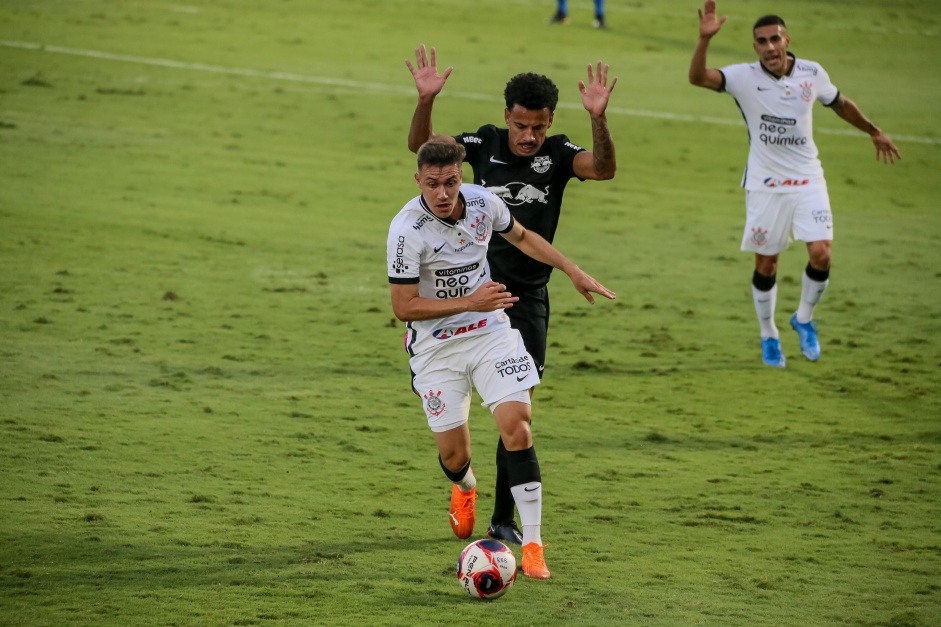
(486,569)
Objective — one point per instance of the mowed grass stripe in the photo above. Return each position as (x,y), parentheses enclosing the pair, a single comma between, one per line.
(401,89)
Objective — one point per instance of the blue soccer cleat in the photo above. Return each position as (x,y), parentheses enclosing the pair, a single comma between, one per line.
(807,333)
(771,352)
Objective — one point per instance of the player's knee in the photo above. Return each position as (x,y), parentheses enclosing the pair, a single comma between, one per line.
(820,257)
(512,414)
(455,459)
(517,435)
(767,269)
(766,265)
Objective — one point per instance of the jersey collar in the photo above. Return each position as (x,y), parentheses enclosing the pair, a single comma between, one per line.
(448,222)
(788,73)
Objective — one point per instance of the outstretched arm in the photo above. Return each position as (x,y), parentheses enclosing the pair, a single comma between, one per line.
(709,25)
(539,249)
(885,149)
(600,164)
(429,84)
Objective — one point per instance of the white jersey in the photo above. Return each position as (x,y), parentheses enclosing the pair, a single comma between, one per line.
(447,260)
(782,154)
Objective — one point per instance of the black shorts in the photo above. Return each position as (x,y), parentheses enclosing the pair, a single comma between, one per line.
(530,316)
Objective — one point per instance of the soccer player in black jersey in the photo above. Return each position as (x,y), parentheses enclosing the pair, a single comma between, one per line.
(533,170)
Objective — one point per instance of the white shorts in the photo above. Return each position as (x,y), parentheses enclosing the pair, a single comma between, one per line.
(496,364)
(770,218)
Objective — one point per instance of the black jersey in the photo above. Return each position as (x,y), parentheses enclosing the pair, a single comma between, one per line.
(535,187)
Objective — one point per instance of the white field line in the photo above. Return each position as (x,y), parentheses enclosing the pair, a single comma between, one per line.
(401,89)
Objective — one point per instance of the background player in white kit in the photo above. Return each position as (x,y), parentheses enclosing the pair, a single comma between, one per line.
(784,185)
(458,335)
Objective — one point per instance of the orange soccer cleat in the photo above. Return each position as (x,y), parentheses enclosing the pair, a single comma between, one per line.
(534,564)
(462,513)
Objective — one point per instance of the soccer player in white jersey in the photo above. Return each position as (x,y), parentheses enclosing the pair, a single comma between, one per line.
(533,168)
(785,190)
(459,337)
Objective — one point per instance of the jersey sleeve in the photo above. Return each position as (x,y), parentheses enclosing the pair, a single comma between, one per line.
(733,78)
(502,219)
(473,143)
(565,152)
(827,93)
(403,253)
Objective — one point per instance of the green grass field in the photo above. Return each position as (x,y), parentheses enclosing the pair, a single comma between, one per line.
(204,407)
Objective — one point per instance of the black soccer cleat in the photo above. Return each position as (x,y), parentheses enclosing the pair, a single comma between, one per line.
(507,532)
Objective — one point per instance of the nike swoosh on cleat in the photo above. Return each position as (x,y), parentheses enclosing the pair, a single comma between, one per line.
(438,249)
(493,160)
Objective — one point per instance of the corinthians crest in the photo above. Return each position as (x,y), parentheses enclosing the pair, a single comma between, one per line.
(480,229)
(542,164)
(807,91)
(759,236)
(433,403)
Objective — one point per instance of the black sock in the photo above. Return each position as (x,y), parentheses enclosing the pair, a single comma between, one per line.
(763,283)
(817,275)
(523,467)
(503,503)
(455,477)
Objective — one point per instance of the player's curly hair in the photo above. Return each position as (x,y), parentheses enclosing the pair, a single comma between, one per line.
(531,91)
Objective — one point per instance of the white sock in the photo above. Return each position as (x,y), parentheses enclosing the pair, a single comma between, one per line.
(811,293)
(764,306)
(528,498)
(468,483)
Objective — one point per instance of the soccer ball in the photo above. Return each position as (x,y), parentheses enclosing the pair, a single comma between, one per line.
(486,569)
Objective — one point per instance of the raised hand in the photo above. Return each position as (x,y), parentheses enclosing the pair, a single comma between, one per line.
(709,24)
(427,79)
(596,93)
